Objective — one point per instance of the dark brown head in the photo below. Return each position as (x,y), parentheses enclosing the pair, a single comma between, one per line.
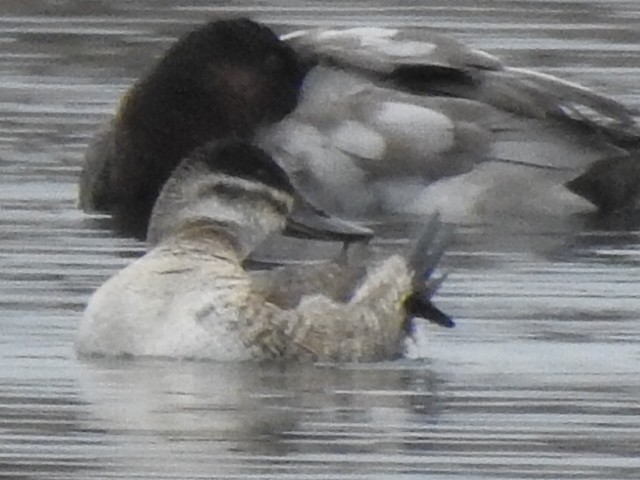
(223,79)
(239,66)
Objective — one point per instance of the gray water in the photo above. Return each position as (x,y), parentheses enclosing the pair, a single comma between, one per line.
(541,378)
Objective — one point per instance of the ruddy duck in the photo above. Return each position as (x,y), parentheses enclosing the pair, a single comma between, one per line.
(190,297)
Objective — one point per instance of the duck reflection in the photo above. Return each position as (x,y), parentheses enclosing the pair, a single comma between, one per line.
(194,415)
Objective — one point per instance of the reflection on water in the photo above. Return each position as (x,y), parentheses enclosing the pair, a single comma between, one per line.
(243,420)
(539,380)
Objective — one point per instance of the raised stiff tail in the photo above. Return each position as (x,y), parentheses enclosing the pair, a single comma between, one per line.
(424,256)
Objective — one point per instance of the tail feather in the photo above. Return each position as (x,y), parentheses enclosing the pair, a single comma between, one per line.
(428,248)
(424,256)
(417,305)
(611,184)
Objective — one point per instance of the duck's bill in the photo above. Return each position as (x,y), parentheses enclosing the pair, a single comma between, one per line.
(308,221)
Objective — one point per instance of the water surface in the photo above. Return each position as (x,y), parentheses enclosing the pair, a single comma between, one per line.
(540,380)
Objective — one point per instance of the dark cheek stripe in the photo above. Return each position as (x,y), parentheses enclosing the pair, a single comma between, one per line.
(236,192)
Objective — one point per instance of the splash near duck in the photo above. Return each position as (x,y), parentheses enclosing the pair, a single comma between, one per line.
(191,297)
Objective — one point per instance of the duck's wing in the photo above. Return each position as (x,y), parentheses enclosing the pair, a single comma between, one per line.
(384,50)
(349,132)
(427,63)
(382,103)
(367,327)
(346,312)
(335,279)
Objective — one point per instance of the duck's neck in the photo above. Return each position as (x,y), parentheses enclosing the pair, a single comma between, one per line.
(246,221)
(204,238)
(239,235)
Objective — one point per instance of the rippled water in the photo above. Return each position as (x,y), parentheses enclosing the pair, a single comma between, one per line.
(541,378)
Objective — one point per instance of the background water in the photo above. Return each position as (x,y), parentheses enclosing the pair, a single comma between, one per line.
(541,378)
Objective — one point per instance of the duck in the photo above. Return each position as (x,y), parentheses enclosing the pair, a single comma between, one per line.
(224,79)
(368,122)
(407,121)
(189,296)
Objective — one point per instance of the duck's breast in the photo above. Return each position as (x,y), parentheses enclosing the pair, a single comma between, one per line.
(166,305)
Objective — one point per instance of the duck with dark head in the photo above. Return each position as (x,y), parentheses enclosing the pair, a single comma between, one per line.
(378,121)
(225,79)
